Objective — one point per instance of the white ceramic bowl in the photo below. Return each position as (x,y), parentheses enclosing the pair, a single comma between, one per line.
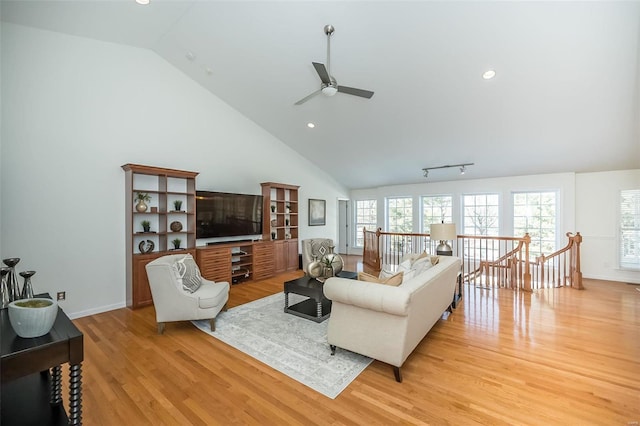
(28,321)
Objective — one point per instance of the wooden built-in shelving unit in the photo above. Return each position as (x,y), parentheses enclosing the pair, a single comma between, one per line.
(164,186)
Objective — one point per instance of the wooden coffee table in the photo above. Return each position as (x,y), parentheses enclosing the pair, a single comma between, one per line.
(317,307)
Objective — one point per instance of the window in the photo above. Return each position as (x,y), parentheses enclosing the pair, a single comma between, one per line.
(630,229)
(435,209)
(481,214)
(366,217)
(535,213)
(400,214)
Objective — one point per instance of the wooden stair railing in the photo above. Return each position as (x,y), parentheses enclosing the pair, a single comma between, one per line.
(561,268)
(489,262)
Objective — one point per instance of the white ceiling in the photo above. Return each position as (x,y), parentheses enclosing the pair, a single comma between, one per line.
(565,97)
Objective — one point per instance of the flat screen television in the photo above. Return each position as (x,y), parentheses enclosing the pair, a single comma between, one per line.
(223,214)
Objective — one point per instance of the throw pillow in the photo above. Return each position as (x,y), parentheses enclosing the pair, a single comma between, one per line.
(189,273)
(385,273)
(395,280)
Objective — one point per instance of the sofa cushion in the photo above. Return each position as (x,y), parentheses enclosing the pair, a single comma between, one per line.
(188,273)
(394,280)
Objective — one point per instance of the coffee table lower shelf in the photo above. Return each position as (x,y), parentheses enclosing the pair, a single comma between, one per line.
(308,309)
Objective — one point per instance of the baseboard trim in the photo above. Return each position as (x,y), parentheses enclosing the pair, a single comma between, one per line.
(94,311)
(626,280)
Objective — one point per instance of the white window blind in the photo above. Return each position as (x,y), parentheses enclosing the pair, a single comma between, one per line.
(630,229)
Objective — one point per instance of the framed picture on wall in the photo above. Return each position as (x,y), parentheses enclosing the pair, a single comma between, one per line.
(317,212)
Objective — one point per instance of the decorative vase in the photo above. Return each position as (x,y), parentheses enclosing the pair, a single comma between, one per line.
(176,226)
(12,279)
(27,289)
(314,268)
(146,246)
(32,317)
(273,235)
(4,288)
(141,206)
(334,260)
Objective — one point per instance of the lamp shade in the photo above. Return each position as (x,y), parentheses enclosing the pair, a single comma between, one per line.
(443,231)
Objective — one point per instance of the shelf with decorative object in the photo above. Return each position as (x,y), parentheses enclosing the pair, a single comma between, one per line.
(152,193)
(281,224)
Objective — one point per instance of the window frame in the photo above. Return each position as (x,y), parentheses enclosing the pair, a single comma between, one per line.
(425,227)
(540,240)
(463,216)
(387,216)
(356,223)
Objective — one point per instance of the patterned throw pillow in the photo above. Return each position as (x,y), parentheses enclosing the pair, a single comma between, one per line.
(188,272)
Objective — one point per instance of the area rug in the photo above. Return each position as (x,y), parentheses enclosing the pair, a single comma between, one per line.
(292,345)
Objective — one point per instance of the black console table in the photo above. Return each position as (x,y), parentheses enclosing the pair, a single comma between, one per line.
(31,374)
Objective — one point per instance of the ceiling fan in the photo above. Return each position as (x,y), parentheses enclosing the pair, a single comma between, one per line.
(329,86)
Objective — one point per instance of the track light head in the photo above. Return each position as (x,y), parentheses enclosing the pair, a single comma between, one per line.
(425,172)
(462,170)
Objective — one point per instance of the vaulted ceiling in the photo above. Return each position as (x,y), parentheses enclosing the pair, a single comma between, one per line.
(565,97)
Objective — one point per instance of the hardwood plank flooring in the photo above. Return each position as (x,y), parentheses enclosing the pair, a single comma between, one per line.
(554,357)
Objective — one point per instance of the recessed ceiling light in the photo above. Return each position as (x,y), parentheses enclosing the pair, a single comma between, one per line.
(488,75)
(311,125)
(143,1)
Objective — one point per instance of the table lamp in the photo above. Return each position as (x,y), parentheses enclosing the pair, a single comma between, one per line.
(443,232)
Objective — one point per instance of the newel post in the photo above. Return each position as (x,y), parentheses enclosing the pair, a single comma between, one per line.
(576,279)
(527,267)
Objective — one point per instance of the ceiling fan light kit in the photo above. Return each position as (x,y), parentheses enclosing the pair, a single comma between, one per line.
(329,85)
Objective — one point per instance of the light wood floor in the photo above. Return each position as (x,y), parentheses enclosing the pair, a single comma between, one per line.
(555,357)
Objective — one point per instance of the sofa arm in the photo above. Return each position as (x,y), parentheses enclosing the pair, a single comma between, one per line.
(367,295)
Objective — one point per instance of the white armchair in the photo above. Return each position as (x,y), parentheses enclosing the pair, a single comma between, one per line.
(311,247)
(172,303)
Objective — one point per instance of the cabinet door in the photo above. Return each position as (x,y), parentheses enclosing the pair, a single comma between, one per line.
(280,257)
(141,292)
(292,255)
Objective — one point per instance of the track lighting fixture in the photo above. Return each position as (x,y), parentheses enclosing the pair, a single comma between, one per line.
(463,168)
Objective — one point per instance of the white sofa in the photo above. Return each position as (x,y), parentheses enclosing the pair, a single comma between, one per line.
(385,322)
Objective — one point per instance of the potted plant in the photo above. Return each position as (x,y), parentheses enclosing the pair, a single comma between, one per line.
(288,207)
(146,225)
(273,208)
(273,235)
(142,199)
(176,243)
(178,205)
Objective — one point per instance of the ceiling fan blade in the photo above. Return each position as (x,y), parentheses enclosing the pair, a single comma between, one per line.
(322,72)
(356,92)
(306,98)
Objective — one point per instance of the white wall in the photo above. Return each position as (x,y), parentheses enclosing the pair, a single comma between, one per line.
(588,204)
(598,210)
(73,111)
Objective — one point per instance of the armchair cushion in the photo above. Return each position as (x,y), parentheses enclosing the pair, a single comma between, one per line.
(210,295)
